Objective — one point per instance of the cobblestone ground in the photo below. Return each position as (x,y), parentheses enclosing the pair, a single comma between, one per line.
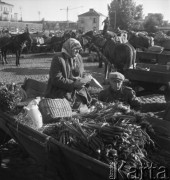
(17,165)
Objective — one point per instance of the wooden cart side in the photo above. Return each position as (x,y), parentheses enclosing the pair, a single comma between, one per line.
(67,163)
(159,58)
(148,76)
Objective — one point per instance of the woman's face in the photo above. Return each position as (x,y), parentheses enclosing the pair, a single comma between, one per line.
(115,84)
(75,52)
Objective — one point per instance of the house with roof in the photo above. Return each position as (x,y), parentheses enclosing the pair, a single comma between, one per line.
(91,20)
(6,11)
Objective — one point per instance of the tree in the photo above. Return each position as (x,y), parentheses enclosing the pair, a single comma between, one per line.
(124,14)
(153,20)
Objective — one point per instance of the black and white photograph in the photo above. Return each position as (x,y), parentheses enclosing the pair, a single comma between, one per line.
(84,90)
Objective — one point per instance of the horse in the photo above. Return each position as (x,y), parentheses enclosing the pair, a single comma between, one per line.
(15,44)
(86,43)
(122,56)
(55,42)
(140,40)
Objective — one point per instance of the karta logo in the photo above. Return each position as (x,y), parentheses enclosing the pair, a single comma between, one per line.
(149,171)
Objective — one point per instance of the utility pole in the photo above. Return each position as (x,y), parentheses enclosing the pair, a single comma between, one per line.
(115,19)
(21,12)
(39,13)
(67,10)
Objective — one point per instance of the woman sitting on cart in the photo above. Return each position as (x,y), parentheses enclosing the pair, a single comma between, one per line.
(65,75)
(118,92)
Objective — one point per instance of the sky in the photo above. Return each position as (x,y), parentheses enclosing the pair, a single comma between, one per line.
(55,10)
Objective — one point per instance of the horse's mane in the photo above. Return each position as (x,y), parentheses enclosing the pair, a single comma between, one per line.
(89,33)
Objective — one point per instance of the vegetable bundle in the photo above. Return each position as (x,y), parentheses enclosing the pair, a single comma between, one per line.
(10,95)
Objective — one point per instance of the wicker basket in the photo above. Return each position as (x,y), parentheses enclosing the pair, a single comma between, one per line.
(52,109)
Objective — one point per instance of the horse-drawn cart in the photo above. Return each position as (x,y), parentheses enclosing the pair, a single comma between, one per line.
(152,78)
(62,160)
(152,73)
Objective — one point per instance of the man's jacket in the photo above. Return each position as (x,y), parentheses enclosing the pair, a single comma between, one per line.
(125,94)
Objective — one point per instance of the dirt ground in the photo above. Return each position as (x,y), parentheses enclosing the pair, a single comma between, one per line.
(37,67)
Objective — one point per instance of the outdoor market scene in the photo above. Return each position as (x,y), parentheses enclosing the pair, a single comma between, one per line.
(84,94)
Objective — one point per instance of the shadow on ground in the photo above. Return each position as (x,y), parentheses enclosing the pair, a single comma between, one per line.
(26,71)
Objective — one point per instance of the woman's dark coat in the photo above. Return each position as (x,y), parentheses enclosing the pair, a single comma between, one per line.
(61,76)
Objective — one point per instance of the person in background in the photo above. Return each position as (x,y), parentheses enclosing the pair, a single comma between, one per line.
(106,25)
(66,75)
(26,29)
(118,92)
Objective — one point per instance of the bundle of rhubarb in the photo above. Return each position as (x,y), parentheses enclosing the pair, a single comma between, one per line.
(110,133)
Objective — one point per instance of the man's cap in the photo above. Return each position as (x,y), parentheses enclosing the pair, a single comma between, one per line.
(117,76)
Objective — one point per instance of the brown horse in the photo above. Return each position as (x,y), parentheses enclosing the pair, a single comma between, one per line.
(122,56)
(15,44)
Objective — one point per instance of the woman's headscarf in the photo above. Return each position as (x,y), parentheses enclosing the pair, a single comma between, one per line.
(70,45)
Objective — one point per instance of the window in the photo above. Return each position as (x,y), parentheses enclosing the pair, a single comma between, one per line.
(82,21)
(94,20)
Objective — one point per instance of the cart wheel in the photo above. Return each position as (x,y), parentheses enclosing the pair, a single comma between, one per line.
(167,92)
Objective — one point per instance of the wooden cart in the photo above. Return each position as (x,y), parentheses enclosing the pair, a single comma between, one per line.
(153,78)
(162,58)
(66,162)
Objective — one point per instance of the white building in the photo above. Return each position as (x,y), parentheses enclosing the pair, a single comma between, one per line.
(91,20)
(6,11)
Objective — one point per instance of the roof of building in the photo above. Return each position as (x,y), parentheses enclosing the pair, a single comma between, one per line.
(5,3)
(91,12)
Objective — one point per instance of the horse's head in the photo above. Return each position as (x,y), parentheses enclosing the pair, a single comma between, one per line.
(27,39)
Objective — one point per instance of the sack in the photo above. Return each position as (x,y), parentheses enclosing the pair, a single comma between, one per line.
(34,88)
(52,109)
(157,49)
(80,98)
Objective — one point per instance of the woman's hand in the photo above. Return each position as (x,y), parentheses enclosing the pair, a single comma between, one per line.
(79,84)
(76,78)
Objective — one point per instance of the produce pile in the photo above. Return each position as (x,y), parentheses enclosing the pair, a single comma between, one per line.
(110,133)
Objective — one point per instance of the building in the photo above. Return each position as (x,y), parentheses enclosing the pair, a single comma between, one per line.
(59,25)
(6,11)
(9,20)
(91,20)
(19,27)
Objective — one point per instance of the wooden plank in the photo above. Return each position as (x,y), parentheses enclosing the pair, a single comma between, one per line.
(163,58)
(147,76)
(160,58)
(154,67)
(146,56)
